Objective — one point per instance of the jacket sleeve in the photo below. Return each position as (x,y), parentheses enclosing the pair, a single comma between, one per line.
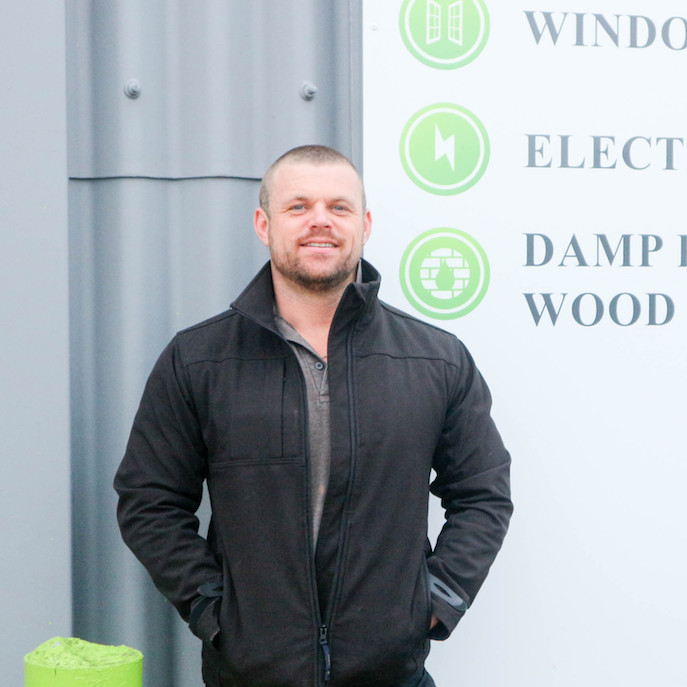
(472,480)
(160,487)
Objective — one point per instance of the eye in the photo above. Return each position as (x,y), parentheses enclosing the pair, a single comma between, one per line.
(297,207)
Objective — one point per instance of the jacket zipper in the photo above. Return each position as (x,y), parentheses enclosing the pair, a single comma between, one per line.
(323,631)
(324,628)
(324,643)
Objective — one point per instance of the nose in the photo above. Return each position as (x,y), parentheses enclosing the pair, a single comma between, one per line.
(320,215)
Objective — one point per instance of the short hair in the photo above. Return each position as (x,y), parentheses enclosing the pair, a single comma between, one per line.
(314,154)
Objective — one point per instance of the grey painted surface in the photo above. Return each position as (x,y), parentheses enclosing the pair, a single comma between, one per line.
(35,532)
(220,83)
(148,258)
(161,198)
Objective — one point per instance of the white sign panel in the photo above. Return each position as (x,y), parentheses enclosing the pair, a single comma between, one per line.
(526,168)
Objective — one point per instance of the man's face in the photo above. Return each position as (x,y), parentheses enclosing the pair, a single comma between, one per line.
(317,226)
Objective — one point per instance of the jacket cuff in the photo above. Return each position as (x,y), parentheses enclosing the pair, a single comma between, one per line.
(204,617)
(206,624)
(447,606)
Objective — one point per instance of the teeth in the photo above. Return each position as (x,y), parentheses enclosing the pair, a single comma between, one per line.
(321,245)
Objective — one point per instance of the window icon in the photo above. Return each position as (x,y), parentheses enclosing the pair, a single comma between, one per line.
(444,34)
(433,22)
(454,25)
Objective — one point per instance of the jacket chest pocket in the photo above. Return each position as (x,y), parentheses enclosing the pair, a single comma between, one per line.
(245,404)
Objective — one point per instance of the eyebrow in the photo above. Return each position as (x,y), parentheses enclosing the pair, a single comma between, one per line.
(336,199)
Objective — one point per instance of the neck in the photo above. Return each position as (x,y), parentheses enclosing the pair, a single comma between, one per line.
(309,312)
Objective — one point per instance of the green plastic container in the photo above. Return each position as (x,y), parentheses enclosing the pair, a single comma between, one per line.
(71,662)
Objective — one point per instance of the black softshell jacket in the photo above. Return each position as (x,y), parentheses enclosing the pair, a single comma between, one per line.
(226,403)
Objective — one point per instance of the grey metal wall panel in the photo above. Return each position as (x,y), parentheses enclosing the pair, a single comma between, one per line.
(220,82)
(35,517)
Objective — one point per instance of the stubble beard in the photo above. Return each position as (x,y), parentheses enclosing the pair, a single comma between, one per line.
(295,272)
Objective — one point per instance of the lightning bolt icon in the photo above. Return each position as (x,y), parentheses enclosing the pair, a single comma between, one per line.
(444,147)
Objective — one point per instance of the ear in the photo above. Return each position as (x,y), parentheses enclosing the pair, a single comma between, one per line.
(367,226)
(261,223)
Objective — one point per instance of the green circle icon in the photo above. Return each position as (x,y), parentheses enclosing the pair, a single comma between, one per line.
(444,273)
(444,149)
(444,34)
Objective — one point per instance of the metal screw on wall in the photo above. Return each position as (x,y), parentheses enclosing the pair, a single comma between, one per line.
(132,88)
(307,90)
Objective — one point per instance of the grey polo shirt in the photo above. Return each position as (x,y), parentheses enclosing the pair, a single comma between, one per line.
(317,385)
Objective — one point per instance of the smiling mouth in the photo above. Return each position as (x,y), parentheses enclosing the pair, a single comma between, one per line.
(319,244)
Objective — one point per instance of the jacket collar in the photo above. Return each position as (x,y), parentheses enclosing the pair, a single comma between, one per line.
(256,301)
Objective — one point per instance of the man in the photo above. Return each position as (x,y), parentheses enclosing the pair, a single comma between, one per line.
(315,412)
